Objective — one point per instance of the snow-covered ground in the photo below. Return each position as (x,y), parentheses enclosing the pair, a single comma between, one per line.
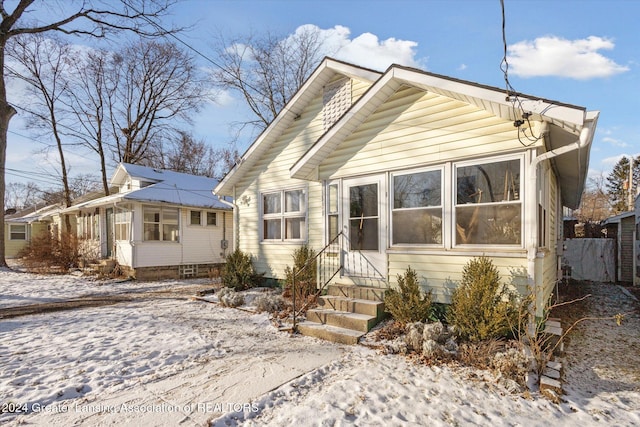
(172,360)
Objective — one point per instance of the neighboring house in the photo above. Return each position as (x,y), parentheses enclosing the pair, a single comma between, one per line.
(159,224)
(636,258)
(622,228)
(21,227)
(415,169)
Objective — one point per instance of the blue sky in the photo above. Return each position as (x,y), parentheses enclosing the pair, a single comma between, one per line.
(578,52)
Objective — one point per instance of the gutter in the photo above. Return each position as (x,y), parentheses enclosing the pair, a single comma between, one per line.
(534,258)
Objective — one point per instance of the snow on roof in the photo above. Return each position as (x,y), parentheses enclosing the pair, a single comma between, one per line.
(38,215)
(169,187)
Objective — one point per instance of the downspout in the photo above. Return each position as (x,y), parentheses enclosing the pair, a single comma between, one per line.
(534,259)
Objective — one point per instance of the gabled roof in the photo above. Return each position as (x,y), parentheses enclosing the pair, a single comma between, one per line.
(565,122)
(28,216)
(169,187)
(327,69)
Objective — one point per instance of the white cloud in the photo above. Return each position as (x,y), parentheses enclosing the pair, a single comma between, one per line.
(367,49)
(615,142)
(555,56)
(462,67)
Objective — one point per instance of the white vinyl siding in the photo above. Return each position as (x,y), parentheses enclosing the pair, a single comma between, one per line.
(442,272)
(413,128)
(197,245)
(268,174)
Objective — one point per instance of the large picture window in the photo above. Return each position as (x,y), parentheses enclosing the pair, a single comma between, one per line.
(284,215)
(417,208)
(161,224)
(488,208)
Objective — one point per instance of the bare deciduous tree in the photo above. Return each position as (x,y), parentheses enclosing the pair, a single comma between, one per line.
(80,17)
(19,195)
(595,205)
(187,155)
(87,102)
(267,70)
(43,64)
(154,85)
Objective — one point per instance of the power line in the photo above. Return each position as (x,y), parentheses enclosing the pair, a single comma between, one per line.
(512,94)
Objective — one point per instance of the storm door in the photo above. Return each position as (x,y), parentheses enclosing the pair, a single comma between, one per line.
(365,228)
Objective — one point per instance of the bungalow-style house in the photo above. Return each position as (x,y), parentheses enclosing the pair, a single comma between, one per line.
(412,168)
(159,224)
(22,226)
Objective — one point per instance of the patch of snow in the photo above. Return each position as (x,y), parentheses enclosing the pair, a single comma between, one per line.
(173,360)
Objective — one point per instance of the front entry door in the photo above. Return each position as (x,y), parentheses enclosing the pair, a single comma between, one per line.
(109,229)
(365,228)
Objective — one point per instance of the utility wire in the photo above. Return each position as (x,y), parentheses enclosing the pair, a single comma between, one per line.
(512,94)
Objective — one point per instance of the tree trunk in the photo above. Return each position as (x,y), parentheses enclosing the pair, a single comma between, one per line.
(6,113)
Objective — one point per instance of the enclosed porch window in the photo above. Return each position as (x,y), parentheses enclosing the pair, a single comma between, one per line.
(417,208)
(160,224)
(122,224)
(488,207)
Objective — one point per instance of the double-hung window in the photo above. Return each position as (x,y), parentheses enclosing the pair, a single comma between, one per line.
(160,224)
(284,215)
(212,219)
(122,224)
(195,218)
(417,208)
(17,232)
(488,206)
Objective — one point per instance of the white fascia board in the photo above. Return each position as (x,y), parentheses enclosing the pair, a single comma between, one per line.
(565,113)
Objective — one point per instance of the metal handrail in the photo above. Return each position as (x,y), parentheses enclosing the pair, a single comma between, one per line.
(371,271)
(312,262)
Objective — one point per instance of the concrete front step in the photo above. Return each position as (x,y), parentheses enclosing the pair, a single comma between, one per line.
(329,333)
(342,319)
(356,292)
(353,305)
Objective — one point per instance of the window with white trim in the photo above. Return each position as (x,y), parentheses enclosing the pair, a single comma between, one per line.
(417,208)
(89,226)
(212,219)
(160,224)
(333,210)
(488,208)
(195,218)
(122,224)
(17,231)
(284,215)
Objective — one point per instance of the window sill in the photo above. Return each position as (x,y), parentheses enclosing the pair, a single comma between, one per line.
(283,242)
(476,252)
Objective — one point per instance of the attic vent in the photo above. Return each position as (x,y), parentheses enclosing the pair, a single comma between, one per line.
(336,100)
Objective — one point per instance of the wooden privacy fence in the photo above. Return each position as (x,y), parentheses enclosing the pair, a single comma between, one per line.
(591,259)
